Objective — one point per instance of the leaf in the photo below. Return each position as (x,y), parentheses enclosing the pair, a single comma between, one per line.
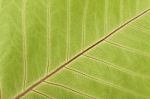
(74,49)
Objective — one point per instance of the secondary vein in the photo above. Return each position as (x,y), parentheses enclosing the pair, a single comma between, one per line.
(24,37)
(80,54)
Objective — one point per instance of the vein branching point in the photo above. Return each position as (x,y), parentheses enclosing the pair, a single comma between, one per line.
(79,54)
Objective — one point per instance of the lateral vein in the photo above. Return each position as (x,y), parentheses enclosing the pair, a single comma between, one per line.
(24,37)
(59,68)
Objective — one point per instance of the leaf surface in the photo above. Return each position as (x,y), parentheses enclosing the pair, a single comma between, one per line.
(47,49)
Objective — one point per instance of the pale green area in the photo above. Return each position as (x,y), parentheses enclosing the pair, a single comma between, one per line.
(37,36)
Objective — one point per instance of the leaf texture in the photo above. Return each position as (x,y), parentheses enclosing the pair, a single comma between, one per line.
(50,49)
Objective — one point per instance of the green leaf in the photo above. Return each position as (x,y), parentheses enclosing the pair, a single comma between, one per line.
(74,49)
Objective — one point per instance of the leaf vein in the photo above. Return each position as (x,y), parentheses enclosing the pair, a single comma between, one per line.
(24,35)
(59,68)
(68,28)
(124,70)
(70,89)
(42,94)
(102,81)
(84,23)
(133,50)
(48,35)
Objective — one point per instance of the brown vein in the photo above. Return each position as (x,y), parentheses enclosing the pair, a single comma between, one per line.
(102,81)
(70,89)
(80,54)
